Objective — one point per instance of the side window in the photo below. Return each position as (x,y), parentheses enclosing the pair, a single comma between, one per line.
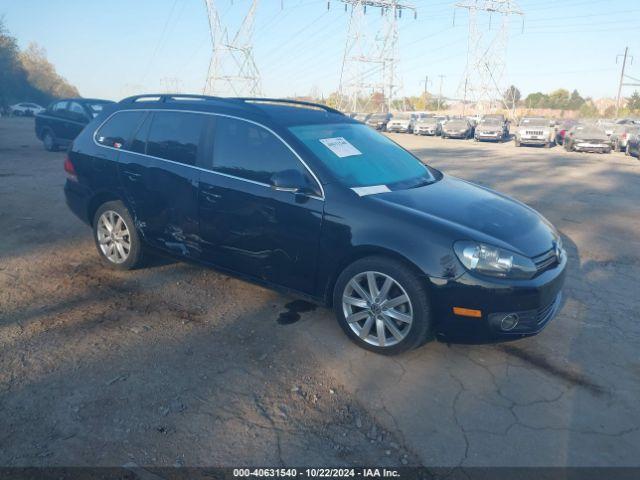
(246,150)
(119,128)
(175,136)
(76,112)
(139,140)
(59,107)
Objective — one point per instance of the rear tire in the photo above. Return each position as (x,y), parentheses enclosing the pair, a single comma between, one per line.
(116,236)
(402,326)
(49,141)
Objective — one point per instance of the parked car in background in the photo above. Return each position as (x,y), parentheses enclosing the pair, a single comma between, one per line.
(491,128)
(361,117)
(535,131)
(301,198)
(427,126)
(402,122)
(606,125)
(63,120)
(620,135)
(562,128)
(379,121)
(587,138)
(633,144)
(441,121)
(457,128)
(25,109)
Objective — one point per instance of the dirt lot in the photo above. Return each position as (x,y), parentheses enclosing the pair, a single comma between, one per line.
(178,365)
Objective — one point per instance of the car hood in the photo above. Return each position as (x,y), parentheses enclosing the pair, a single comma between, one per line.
(473,212)
(453,126)
(400,122)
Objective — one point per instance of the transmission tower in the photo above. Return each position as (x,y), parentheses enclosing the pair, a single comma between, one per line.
(370,61)
(483,81)
(232,68)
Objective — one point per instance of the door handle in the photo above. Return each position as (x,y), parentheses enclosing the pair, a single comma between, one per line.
(134,177)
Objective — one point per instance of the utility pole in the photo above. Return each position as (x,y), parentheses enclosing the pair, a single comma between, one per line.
(370,59)
(623,76)
(486,50)
(440,92)
(426,82)
(624,66)
(232,68)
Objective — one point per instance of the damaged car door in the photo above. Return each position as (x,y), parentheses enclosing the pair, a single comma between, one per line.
(160,181)
(260,207)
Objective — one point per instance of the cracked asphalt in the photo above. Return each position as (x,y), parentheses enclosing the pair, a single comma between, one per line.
(177,365)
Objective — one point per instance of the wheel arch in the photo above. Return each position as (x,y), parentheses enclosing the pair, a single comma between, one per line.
(364,251)
(99,199)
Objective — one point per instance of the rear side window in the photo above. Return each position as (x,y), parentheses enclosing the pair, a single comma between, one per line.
(59,107)
(118,129)
(175,136)
(246,150)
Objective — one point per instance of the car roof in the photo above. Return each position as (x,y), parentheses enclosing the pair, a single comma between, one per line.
(282,112)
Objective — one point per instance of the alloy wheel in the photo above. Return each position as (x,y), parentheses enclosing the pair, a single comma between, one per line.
(377,309)
(114,238)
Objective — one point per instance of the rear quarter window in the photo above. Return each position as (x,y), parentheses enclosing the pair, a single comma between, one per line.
(118,129)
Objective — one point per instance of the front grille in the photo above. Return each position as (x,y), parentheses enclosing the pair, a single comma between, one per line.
(534,132)
(545,261)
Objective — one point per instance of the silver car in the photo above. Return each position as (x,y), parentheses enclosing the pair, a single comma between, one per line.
(621,134)
(402,122)
(535,131)
(427,126)
(587,138)
(491,128)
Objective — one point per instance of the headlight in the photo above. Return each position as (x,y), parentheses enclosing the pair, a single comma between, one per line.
(493,261)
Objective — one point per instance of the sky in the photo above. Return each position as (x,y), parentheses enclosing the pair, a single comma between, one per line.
(111,49)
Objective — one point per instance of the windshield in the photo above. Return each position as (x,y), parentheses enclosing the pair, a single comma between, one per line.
(457,123)
(534,122)
(379,116)
(403,116)
(491,121)
(361,157)
(589,130)
(429,121)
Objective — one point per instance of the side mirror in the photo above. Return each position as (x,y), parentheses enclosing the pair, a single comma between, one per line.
(290,181)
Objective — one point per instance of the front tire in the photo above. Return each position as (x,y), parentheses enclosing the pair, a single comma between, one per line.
(116,237)
(382,305)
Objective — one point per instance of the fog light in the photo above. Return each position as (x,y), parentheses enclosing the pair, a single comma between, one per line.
(509,322)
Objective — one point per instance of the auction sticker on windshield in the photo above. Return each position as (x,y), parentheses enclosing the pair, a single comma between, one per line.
(340,147)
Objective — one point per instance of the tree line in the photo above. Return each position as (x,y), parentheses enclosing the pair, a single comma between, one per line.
(27,75)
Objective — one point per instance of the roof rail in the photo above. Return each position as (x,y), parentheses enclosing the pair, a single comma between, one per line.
(164,97)
(289,102)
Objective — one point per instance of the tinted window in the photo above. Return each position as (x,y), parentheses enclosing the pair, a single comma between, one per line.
(175,136)
(59,107)
(246,150)
(139,140)
(117,130)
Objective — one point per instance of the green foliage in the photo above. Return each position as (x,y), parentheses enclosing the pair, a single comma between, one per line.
(559,99)
(28,75)
(633,103)
(588,110)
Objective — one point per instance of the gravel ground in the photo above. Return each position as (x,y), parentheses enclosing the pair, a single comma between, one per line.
(178,365)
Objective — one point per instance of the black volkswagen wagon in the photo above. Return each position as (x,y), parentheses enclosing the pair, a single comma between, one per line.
(302,198)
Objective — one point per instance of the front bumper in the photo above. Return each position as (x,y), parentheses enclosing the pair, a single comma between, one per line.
(377,125)
(489,136)
(398,128)
(535,302)
(592,147)
(425,131)
(455,134)
(534,141)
